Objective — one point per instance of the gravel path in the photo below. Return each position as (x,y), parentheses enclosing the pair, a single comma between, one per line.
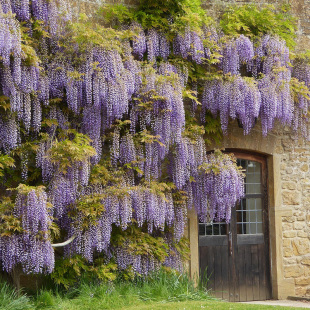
(286,303)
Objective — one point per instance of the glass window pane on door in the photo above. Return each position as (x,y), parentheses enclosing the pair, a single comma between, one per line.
(212,228)
(249,211)
(249,216)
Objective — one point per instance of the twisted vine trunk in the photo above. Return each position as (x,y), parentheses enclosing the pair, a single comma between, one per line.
(15,274)
(17,271)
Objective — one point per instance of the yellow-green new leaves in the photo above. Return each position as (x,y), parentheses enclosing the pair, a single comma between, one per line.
(139,243)
(68,151)
(69,270)
(90,207)
(146,137)
(216,163)
(168,16)
(253,21)
(88,33)
(9,224)
(5,162)
(298,89)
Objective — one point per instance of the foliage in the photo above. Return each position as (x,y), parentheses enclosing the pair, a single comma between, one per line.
(136,242)
(5,162)
(9,224)
(298,89)
(11,300)
(170,17)
(162,291)
(212,128)
(252,21)
(71,150)
(70,271)
(85,31)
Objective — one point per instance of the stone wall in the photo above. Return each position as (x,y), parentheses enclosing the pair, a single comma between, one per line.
(295,190)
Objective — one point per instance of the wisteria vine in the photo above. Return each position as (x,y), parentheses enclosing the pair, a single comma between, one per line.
(107,127)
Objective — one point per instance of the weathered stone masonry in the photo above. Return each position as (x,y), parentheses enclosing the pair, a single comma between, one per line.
(295,187)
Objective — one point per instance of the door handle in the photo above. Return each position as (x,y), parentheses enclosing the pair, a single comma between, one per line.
(230,243)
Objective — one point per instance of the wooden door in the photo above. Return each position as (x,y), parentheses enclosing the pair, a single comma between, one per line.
(234,258)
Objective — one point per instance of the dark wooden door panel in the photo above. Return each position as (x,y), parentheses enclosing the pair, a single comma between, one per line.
(205,265)
(218,284)
(236,258)
(240,277)
(214,268)
(255,271)
(248,274)
(241,274)
(225,272)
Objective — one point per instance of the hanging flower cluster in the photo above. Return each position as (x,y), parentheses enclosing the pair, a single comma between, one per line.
(138,203)
(32,246)
(236,52)
(234,97)
(223,186)
(268,96)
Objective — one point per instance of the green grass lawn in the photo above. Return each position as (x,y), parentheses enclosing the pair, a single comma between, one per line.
(97,304)
(163,291)
(131,297)
(188,305)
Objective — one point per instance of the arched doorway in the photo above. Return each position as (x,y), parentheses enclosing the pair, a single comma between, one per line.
(234,258)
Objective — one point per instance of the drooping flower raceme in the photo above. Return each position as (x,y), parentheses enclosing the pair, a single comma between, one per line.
(31,247)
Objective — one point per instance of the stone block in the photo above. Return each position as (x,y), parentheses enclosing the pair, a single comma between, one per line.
(304,168)
(302,234)
(298,213)
(289,261)
(306,260)
(302,281)
(306,202)
(287,226)
(289,170)
(283,166)
(293,271)
(307,271)
(306,187)
(301,246)
(289,185)
(291,198)
(299,225)
(300,218)
(279,149)
(288,252)
(300,291)
(289,234)
(289,219)
(300,150)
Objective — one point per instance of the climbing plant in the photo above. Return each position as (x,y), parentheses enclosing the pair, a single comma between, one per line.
(104,125)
